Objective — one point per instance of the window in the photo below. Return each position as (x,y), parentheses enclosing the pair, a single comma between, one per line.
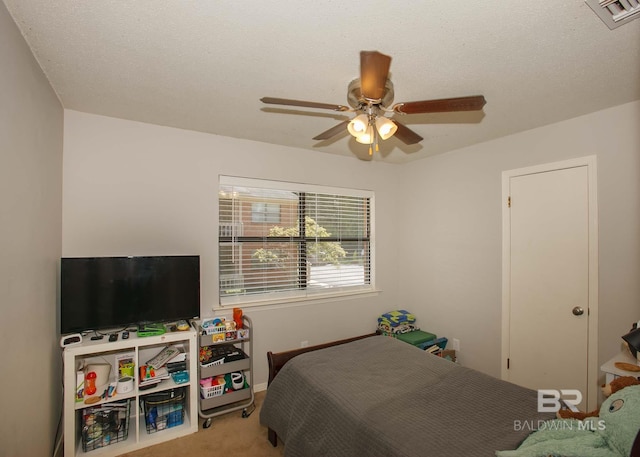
(284,241)
(265,212)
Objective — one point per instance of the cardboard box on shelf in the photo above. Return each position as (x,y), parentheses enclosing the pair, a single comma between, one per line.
(449,354)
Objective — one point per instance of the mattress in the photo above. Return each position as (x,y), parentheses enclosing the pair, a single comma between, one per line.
(382,397)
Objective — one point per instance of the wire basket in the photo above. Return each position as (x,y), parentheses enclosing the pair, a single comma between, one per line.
(164,410)
(105,424)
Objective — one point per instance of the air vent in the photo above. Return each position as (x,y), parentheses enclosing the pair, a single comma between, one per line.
(614,13)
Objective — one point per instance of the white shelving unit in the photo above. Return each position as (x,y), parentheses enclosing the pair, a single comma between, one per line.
(143,349)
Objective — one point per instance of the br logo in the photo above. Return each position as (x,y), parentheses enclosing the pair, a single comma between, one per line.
(550,400)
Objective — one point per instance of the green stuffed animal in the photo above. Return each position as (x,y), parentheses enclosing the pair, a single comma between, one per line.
(611,434)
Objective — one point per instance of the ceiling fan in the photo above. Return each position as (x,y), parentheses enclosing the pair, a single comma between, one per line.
(371,96)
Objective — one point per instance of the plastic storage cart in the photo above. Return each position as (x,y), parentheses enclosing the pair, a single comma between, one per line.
(228,356)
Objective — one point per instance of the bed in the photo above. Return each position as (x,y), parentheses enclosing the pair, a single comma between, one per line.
(378,396)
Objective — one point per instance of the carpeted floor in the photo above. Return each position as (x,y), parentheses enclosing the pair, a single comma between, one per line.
(229,435)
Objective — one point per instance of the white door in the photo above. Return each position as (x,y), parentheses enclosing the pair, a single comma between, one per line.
(548,281)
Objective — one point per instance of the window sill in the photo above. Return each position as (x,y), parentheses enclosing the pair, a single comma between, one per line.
(298,301)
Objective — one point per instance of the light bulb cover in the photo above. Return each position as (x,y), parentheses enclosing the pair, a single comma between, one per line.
(358,125)
(367,136)
(386,127)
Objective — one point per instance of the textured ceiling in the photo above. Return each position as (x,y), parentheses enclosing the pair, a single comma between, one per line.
(203,65)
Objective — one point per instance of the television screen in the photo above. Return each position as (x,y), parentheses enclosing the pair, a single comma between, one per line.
(99,293)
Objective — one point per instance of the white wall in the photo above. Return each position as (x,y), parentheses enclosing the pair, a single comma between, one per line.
(132,188)
(452,203)
(140,189)
(31,119)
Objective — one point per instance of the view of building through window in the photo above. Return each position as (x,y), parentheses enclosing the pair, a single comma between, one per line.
(291,241)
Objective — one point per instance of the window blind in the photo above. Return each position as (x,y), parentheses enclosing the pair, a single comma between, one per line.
(280,241)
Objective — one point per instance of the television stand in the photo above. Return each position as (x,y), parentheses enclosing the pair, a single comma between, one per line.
(130,427)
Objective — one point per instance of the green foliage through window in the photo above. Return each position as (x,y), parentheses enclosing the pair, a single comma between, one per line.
(291,241)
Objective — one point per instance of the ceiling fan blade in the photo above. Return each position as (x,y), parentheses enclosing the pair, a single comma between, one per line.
(405,134)
(374,71)
(289,102)
(333,131)
(445,105)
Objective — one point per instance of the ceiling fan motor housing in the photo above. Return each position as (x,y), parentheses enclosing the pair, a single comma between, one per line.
(357,101)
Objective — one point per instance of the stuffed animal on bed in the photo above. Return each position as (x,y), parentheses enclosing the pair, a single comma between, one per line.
(611,434)
(607,389)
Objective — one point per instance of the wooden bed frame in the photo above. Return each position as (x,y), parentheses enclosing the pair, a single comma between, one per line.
(276,360)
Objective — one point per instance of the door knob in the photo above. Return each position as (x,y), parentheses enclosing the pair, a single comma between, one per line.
(578,311)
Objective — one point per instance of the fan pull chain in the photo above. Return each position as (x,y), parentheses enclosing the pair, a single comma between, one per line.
(375,138)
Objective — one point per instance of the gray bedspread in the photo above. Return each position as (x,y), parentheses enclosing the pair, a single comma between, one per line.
(381,397)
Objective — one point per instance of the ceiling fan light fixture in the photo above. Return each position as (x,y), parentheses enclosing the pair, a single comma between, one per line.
(358,125)
(371,99)
(367,136)
(386,127)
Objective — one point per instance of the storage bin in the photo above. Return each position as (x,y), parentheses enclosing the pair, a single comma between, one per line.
(215,330)
(416,338)
(105,424)
(212,391)
(212,387)
(219,354)
(164,410)
(210,364)
(449,354)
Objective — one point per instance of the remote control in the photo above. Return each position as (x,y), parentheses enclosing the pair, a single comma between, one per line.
(125,335)
(113,337)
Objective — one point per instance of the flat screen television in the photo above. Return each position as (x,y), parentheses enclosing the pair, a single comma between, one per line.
(98,293)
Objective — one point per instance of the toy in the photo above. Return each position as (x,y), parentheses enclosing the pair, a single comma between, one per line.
(619,383)
(90,383)
(607,389)
(237,317)
(205,354)
(611,434)
(182,325)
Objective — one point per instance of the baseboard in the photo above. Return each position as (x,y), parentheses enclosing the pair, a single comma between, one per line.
(260,387)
